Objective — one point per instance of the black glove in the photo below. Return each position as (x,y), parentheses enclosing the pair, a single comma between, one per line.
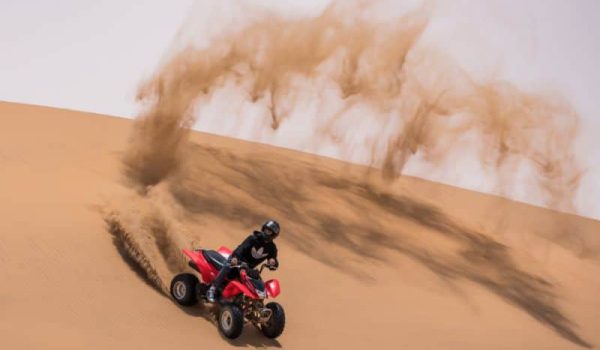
(273,266)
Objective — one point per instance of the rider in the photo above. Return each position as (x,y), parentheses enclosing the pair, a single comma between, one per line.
(254,249)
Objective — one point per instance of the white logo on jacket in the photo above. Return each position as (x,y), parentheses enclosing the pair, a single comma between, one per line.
(258,254)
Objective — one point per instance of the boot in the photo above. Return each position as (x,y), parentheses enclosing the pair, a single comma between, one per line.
(211,294)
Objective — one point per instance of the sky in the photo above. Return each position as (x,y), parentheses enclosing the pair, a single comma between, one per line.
(83,55)
(92,55)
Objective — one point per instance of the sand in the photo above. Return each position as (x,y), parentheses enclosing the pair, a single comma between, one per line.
(413,265)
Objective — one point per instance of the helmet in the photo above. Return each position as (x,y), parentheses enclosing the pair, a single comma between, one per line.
(270,230)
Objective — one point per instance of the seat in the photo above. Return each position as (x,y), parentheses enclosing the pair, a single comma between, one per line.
(214,258)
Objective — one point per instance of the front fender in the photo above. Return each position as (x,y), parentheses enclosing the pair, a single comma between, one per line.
(273,288)
(234,288)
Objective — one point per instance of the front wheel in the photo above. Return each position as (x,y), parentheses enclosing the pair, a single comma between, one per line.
(274,326)
(183,289)
(231,321)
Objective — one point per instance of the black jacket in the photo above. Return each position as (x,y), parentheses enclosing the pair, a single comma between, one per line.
(255,250)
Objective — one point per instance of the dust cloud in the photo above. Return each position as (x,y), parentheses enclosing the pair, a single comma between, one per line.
(416,101)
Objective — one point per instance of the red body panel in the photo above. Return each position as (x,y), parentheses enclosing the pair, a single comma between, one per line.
(226,252)
(236,287)
(207,271)
(272,287)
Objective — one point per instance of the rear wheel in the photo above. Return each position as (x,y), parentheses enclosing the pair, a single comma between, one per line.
(276,323)
(231,321)
(183,289)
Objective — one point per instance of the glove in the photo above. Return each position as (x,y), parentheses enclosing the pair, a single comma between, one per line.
(272,264)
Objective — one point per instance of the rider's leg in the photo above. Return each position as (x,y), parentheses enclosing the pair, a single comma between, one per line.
(218,281)
(215,288)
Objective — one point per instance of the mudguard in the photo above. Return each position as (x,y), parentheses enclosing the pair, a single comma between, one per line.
(207,271)
(226,252)
(234,288)
(272,287)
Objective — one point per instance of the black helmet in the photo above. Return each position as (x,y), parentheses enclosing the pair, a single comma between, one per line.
(270,230)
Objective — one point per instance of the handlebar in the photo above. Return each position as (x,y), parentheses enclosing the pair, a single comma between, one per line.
(240,266)
(270,267)
(245,267)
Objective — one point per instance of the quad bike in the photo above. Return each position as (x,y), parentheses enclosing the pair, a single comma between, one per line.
(242,299)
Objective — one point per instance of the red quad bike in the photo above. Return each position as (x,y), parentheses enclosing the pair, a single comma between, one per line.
(242,299)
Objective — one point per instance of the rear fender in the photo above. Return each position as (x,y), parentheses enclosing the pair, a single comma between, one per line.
(226,252)
(207,271)
(234,288)
(273,288)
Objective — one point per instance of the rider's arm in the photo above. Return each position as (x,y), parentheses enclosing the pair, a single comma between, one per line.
(273,255)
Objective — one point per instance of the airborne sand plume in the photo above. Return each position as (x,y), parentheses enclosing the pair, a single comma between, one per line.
(417,101)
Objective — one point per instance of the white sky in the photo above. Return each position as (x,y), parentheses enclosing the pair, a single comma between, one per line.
(84,55)
(91,55)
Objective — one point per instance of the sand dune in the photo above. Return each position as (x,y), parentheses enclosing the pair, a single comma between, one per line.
(84,255)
